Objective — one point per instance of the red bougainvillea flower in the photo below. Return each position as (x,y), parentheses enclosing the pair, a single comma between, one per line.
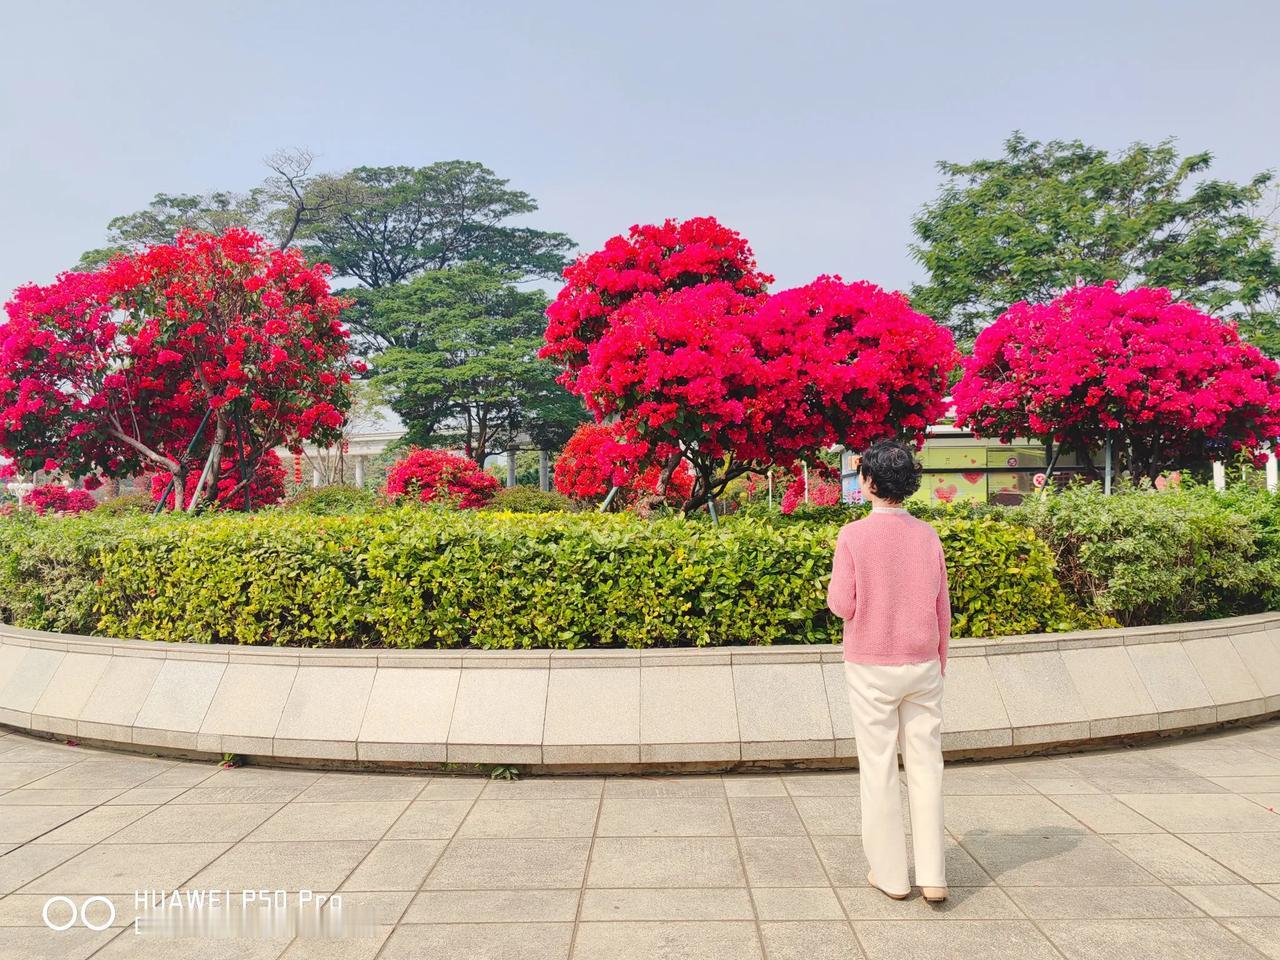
(110,373)
(653,259)
(266,487)
(56,498)
(822,493)
(594,460)
(434,475)
(1166,381)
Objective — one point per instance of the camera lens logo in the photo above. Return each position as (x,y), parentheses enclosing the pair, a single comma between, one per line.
(78,912)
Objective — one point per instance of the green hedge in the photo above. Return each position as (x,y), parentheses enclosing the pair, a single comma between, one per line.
(1163,557)
(422,578)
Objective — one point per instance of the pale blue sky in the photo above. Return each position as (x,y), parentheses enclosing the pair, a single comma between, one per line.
(811,127)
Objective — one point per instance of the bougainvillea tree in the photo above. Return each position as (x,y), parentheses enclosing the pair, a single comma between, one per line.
(162,358)
(266,485)
(1164,381)
(436,476)
(594,456)
(711,371)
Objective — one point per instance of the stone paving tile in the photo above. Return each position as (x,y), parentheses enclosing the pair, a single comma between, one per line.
(1203,812)
(20,866)
(974,815)
(1262,933)
(927,940)
(20,824)
(1125,939)
(70,797)
(193,823)
(127,946)
(1171,859)
(100,823)
(355,786)
(1256,857)
(123,869)
(430,820)
(339,820)
(1036,861)
(544,788)
(1069,903)
(20,774)
(764,785)
(41,943)
(665,862)
(481,863)
(1232,900)
(809,940)
(469,941)
(617,788)
(530,818)
(311,865)
(797,903)
(1239,784)
(1129,853)
(395,865)
(495,906)
(670,940)
(781,862)
(836,815)
(1105,814)
(664,817)
(765,816)
(688,903)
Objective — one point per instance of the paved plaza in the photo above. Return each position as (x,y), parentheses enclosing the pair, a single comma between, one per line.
(1168,850)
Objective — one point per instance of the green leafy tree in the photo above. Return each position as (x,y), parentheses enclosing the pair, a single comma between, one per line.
(293,197)
(462,368)
(401,221)
(1046,216)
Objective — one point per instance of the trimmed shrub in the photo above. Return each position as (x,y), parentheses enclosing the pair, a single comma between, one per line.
(530,500)
(1163,557)
(333,500)
(270,578)
(126,504)
(51,567)
(415,578)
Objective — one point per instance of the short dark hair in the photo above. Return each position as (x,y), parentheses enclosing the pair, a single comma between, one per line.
(891,467)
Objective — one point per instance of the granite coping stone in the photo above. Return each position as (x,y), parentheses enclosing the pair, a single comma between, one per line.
(656,708)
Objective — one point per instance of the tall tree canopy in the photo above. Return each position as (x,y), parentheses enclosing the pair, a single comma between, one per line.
(290,199)
(379,225)
(401,221)
(462,368)
(1046,216)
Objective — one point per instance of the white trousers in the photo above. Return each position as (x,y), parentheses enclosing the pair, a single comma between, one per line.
(899,706)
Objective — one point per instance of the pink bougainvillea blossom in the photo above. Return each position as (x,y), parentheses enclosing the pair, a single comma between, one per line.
(1165,381)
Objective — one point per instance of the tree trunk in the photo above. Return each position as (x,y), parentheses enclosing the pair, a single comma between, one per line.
(212,464)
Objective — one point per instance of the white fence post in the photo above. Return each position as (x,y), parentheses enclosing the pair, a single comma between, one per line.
(1219,475)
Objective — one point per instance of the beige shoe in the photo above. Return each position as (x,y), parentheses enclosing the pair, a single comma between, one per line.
(934,894)
(891,896)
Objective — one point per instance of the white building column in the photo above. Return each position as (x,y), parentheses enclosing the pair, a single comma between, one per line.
(544,470)
(511,468)
(1273,474)
(1219,475)
(359,471)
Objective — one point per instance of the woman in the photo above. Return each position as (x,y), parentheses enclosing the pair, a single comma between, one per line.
(889,585)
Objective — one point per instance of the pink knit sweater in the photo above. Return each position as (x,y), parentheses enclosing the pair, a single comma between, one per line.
(889,585)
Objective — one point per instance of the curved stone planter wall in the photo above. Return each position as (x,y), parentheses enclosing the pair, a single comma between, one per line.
(650,709)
